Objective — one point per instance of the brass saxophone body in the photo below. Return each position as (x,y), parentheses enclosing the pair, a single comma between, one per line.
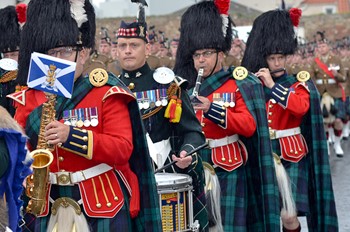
(37,183)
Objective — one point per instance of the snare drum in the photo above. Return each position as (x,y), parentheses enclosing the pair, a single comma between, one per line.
(175,199)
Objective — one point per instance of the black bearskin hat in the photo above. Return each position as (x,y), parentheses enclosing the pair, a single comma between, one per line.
(10,29)
(272,33)
(201,28)
(54,23)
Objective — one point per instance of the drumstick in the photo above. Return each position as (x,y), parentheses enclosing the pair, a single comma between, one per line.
(188,154)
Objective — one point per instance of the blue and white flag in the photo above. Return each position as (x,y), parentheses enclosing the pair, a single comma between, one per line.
(51,74)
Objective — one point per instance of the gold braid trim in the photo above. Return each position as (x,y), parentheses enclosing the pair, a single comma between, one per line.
(172,90)
(9,76)
(153,112)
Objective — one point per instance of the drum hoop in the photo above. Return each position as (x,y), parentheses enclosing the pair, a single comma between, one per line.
(178,185)
(169,190)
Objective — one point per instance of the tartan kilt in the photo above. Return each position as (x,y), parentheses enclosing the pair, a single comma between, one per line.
(121,222)
(233,197)
(341,108)
(347,106)
(298,175)
(199,202)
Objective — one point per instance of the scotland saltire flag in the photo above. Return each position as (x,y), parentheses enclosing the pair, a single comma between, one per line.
(51,74)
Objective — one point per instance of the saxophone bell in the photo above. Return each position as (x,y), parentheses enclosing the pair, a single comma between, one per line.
(37,183)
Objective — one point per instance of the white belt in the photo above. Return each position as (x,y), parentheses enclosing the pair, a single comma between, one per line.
(276,134)
(71,178)
(325,81)
(223,141)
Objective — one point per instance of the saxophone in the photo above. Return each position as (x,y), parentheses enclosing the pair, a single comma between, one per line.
(37,183)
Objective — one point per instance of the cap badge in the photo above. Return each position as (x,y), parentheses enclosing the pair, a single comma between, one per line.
(142,31)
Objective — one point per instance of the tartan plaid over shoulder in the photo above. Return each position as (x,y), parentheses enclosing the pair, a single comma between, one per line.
(149,218)
(323,214)
(264,207)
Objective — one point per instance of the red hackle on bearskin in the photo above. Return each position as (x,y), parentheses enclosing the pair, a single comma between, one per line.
(295,14)
(21,10)
(223,6)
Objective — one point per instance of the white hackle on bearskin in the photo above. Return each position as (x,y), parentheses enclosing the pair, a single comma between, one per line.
(78,12)
(66,219)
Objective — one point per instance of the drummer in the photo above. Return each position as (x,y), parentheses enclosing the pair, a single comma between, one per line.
(168,116)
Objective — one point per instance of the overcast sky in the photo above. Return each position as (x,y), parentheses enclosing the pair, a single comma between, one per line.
(96,2)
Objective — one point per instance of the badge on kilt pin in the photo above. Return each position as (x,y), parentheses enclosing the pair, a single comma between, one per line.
(303,76)
(98,77)
(240,73)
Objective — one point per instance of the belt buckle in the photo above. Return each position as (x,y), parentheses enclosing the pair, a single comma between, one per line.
(63,179)
(272,133)
(210,142)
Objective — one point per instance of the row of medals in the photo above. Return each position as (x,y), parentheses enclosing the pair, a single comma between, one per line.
(151,98)
(225,99)
(81,117)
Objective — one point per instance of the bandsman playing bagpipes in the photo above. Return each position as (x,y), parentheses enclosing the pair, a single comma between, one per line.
(230,106)
(295,124)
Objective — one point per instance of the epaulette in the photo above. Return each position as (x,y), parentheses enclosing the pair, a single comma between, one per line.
(19,96)
(8,76)
(240,73)
(117,90)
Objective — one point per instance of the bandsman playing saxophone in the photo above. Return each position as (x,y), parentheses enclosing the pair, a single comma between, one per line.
(94,183)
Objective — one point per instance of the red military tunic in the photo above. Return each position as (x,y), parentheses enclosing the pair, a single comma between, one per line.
(110,142)
(285,110)
(221,122)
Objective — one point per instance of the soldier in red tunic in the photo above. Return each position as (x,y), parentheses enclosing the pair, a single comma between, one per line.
(101,166)
(295,123)
(229,104)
